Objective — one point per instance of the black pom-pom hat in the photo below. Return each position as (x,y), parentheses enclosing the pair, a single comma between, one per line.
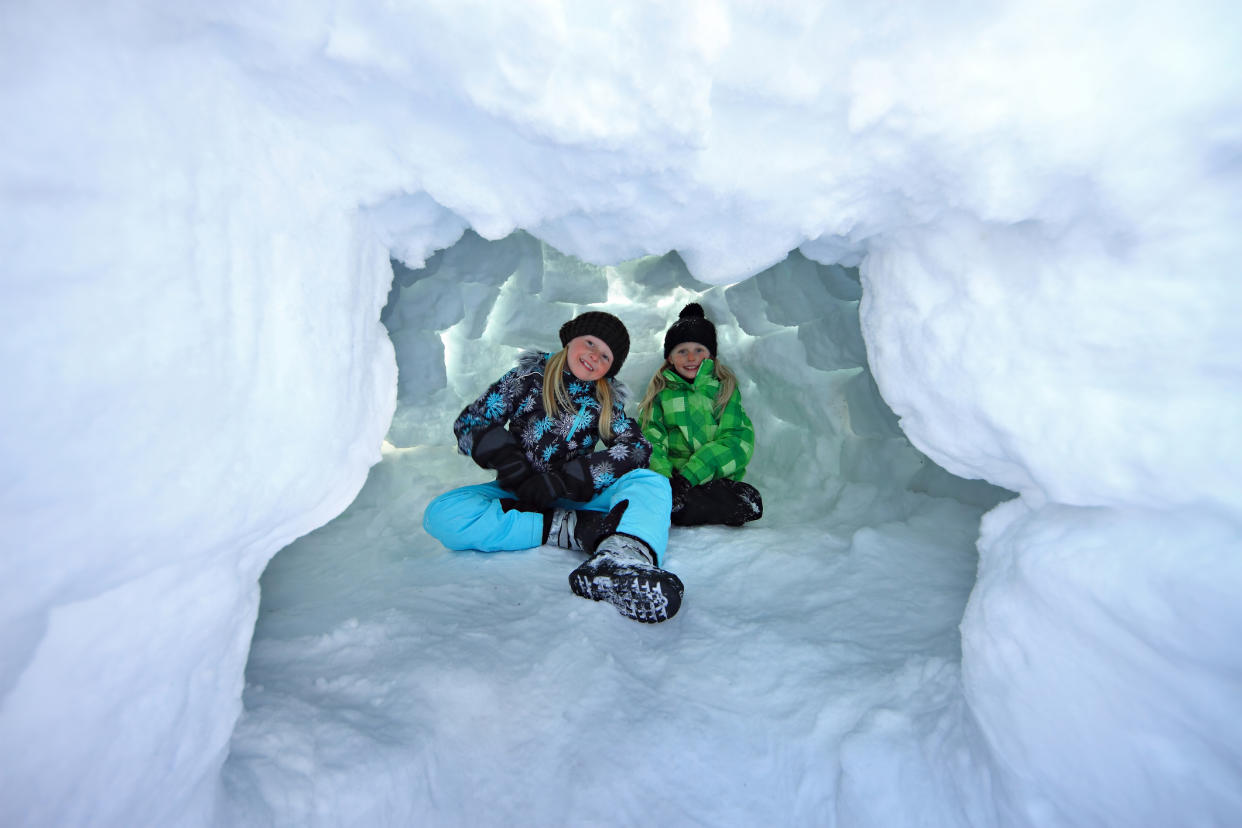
(691,326)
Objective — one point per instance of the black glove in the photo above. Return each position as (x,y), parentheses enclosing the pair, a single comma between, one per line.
(681,487)
(497,449)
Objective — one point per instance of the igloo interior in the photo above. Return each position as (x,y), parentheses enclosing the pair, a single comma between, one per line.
(975,269)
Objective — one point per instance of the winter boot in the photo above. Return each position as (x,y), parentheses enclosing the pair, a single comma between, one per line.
(582,529)
(623,573)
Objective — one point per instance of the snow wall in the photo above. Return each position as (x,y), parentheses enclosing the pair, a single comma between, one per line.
(199,207)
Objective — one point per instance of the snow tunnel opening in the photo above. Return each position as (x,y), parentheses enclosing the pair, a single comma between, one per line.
(827,444)
(346,609)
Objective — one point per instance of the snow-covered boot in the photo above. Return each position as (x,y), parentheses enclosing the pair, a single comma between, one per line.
(623,573)
(582,529)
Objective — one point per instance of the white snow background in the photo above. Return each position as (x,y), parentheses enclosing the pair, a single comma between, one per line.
(1042,205)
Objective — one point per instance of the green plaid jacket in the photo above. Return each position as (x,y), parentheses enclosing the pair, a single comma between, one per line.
(685,435)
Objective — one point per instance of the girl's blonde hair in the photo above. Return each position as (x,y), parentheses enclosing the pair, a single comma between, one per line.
(728,384)
(556,396)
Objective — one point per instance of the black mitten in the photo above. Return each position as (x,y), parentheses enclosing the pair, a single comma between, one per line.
(497,449)
(681,487)
(571,481)
(541,489)
(512,468)
(579,484)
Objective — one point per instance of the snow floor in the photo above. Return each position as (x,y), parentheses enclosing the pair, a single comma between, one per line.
(811,677)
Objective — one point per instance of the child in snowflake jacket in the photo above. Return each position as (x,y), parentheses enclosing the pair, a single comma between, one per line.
(701,438)
(552,485)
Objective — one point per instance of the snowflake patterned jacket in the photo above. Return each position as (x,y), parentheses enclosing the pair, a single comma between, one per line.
(551,441)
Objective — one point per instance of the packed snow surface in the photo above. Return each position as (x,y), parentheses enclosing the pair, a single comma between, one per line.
(200,203)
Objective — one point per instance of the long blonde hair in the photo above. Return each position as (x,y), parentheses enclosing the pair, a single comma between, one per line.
(556,396)
(728,384)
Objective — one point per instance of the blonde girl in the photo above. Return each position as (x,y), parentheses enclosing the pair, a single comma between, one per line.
(571,470)
(700,435)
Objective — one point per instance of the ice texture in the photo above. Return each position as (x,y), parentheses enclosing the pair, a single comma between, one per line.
(200,204)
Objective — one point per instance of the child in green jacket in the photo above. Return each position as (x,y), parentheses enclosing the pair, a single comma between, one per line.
(701,438)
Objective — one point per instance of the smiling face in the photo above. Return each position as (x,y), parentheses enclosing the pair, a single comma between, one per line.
(588,357)
(687,357)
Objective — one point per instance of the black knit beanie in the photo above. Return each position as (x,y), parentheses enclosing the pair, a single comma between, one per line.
(691,326)
(605,326)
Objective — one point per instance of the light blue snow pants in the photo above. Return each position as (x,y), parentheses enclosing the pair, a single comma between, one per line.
(472,518)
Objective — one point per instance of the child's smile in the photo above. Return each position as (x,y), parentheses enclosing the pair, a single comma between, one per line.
(687,357)
(588,357)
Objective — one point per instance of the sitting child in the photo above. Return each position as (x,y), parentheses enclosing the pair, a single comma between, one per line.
(700,437)
(553,486)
